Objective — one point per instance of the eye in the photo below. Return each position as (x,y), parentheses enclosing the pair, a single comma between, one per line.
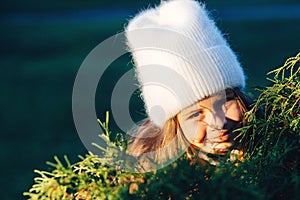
(196,114)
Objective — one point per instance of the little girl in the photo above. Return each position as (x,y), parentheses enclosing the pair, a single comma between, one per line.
(191,83)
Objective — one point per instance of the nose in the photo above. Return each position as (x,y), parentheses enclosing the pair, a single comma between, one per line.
(216,120)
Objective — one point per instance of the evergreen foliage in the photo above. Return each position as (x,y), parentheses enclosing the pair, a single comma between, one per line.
(268,169)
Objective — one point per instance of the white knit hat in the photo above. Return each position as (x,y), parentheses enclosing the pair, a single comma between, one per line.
(180,57)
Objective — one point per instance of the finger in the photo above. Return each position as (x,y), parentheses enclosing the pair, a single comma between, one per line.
(221,152)
(213,147)
(210,160)
(206,147)
(222,147)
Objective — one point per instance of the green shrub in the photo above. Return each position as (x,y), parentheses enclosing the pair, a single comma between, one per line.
(269,170)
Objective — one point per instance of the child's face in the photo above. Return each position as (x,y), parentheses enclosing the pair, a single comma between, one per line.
(209,123)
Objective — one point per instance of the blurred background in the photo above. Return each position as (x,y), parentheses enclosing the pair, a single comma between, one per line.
(43,44)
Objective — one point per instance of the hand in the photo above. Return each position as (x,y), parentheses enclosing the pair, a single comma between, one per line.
(215,142)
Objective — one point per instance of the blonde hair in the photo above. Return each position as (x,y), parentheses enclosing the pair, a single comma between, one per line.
(153,145)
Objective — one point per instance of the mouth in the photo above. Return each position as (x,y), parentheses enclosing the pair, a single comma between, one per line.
(224,137)
(218,139)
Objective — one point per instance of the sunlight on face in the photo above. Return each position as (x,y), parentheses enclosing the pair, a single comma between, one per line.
(209,123)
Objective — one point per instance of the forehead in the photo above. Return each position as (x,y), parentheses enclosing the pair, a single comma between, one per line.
(208,103)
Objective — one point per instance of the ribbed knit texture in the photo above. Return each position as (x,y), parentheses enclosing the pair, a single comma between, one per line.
(180,57)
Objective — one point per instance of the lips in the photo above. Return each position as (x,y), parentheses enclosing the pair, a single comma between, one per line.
(223,137)
(219,138)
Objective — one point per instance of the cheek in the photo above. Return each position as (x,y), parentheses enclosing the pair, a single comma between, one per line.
(193,130)
(234,112)
(201,132)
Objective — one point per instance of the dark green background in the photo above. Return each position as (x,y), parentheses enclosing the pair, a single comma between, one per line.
(43,44)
